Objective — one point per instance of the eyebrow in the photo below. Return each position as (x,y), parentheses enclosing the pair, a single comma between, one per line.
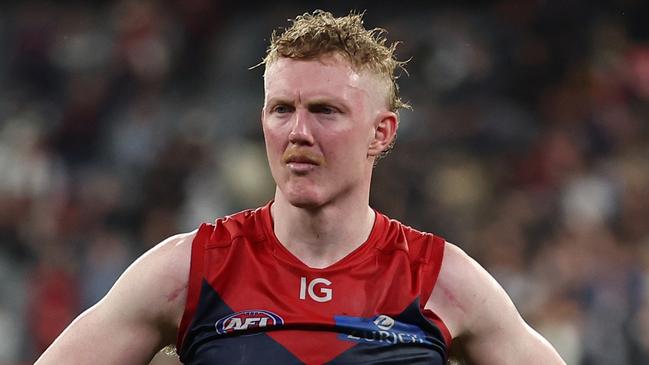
(278,100)
(320,102)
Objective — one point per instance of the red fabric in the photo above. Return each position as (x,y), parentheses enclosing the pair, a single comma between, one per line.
(195,277)
(246,265)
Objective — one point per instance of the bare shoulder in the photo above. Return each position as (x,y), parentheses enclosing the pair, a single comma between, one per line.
(138,316)
(165,269)
(462,286)
(478,311)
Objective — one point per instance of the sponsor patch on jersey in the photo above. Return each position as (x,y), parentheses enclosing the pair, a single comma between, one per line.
(381,330)
(247,321)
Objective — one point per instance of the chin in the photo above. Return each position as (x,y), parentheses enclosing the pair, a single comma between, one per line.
(304,199)
(304,202)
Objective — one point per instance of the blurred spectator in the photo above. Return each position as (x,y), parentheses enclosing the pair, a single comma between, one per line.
(106,258)
(53,296)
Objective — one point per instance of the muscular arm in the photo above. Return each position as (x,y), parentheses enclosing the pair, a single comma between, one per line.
(479,313)
(137,317)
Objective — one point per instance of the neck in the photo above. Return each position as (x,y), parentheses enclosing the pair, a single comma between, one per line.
(321,236)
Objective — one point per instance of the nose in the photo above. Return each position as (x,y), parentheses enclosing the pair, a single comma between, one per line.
(301,133)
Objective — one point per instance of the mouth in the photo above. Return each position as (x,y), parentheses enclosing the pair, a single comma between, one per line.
(300,168)
(301,160)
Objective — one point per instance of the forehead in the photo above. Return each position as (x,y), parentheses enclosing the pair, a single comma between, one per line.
(323,76)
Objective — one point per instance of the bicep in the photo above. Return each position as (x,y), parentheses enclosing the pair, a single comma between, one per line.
(483,317)
(104,335)
(508,340)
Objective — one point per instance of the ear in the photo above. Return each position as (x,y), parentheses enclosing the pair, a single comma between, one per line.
(385,131)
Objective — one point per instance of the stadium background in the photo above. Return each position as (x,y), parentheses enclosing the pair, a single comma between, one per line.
(123,122)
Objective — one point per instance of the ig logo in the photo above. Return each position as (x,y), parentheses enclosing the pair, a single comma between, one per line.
(324,294)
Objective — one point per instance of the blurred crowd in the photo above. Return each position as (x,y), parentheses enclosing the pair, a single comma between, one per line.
(122,123)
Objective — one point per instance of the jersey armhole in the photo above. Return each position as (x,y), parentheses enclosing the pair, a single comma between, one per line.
(193,282)
(434,256)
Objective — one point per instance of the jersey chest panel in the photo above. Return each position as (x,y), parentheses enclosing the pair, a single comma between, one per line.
(256,305)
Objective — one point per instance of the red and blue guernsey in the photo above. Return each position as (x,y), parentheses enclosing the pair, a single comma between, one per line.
(250,301)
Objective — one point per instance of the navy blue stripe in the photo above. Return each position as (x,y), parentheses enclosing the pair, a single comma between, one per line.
(205,346)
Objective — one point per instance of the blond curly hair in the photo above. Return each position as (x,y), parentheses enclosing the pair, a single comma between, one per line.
(320,33)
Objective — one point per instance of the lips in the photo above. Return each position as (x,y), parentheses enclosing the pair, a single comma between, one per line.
(301,159)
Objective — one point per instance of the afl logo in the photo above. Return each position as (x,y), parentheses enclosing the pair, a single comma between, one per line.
(245,320)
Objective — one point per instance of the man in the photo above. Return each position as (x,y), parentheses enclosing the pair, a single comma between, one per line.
(316,276)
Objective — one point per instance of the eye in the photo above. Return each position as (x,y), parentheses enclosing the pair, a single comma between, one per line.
(282,109)
(323,109)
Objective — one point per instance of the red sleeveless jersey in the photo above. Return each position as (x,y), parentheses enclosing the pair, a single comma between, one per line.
(250,301)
